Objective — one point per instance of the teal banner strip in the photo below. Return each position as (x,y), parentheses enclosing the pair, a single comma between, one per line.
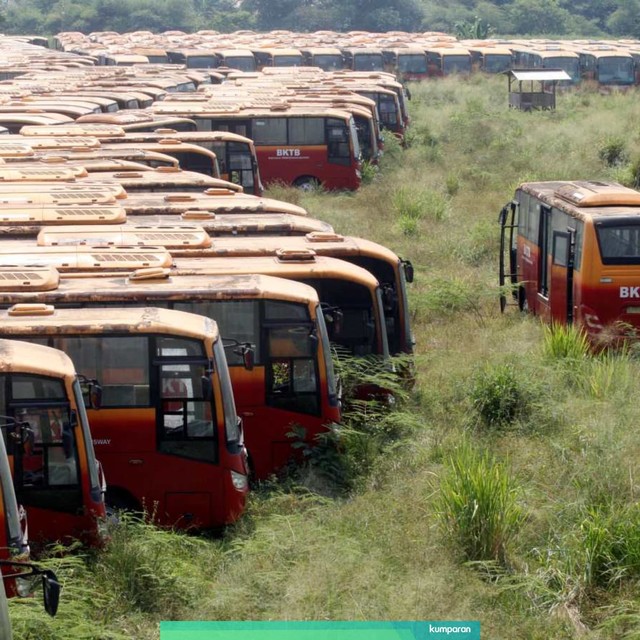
(402,630)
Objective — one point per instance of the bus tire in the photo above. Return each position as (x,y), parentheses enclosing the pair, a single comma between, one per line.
(117,499)
(306,183)
(522,300)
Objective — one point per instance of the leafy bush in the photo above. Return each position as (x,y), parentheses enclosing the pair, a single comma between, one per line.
(499,396)
(613,151)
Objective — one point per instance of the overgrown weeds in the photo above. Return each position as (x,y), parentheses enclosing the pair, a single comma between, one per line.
(478,505)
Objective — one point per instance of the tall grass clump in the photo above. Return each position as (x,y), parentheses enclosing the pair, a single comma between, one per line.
(500,396)
(411,205)
(478,505)
(565,343)
(607,374)
(608,546)
(152,570)
(449,297)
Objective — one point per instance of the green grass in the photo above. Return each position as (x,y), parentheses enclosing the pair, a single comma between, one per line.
(523,419)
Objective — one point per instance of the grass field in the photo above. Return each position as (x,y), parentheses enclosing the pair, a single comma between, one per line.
(504,490)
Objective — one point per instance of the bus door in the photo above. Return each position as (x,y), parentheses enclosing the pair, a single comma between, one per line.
(337,136)
(239,165)
(185,428)
(543,303)
(508,272)
(561,279)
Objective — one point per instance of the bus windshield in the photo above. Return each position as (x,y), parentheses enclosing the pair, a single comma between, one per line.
(47,464)
(328,61)
(616,70)
(619,242)
(570,65)
(412,63)
(496,63)
(368,62)
(456,64)
(242,63)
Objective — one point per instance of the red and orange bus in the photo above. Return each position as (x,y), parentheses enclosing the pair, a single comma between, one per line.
(571,252)
(167,430)
(298,145)
(292,381)
(55,473)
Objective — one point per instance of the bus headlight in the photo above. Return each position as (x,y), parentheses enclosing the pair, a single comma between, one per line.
(24,586)
(240,481)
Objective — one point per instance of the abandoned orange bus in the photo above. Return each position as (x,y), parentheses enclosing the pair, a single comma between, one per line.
(303,146)
(292,381)
(55,473)
(167,430)
(571,252)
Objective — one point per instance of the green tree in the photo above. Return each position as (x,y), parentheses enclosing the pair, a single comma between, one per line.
(540,17)
(625,20)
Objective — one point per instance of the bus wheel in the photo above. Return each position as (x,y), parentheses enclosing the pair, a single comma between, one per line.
(522,299)
(120,500)
(307,183)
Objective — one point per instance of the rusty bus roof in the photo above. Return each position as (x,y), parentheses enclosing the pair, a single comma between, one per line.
(166,286)
(584,199)
(82,258)
(79,192)
(304,267)
(27,220)
(42,319)
(26,357)
(209,201)
(53,141)
(281,224)
(322,243)
(95,130)
(169,236)
(163,179)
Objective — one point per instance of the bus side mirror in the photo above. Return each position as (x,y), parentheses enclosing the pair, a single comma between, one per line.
(333,317)
(95,395)
(51,592)
(207,390)
(248,356)
(91,391)
(408,270)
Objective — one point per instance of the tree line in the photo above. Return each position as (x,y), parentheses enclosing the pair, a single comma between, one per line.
(466,18)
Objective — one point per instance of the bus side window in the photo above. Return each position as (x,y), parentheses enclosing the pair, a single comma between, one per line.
(291,372)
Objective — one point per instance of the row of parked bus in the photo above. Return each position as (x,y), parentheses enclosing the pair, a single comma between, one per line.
(303,127)
(410,56)
(191,327)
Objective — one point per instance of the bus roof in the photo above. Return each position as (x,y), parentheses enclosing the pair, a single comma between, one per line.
(322,243)
(25,357)
(161,286)
(168,236)
(83,258)
(53,141)
(27,319)
(295,265)
(164,178)
(206,204)
(33,216)
(281,224)
(585,199)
